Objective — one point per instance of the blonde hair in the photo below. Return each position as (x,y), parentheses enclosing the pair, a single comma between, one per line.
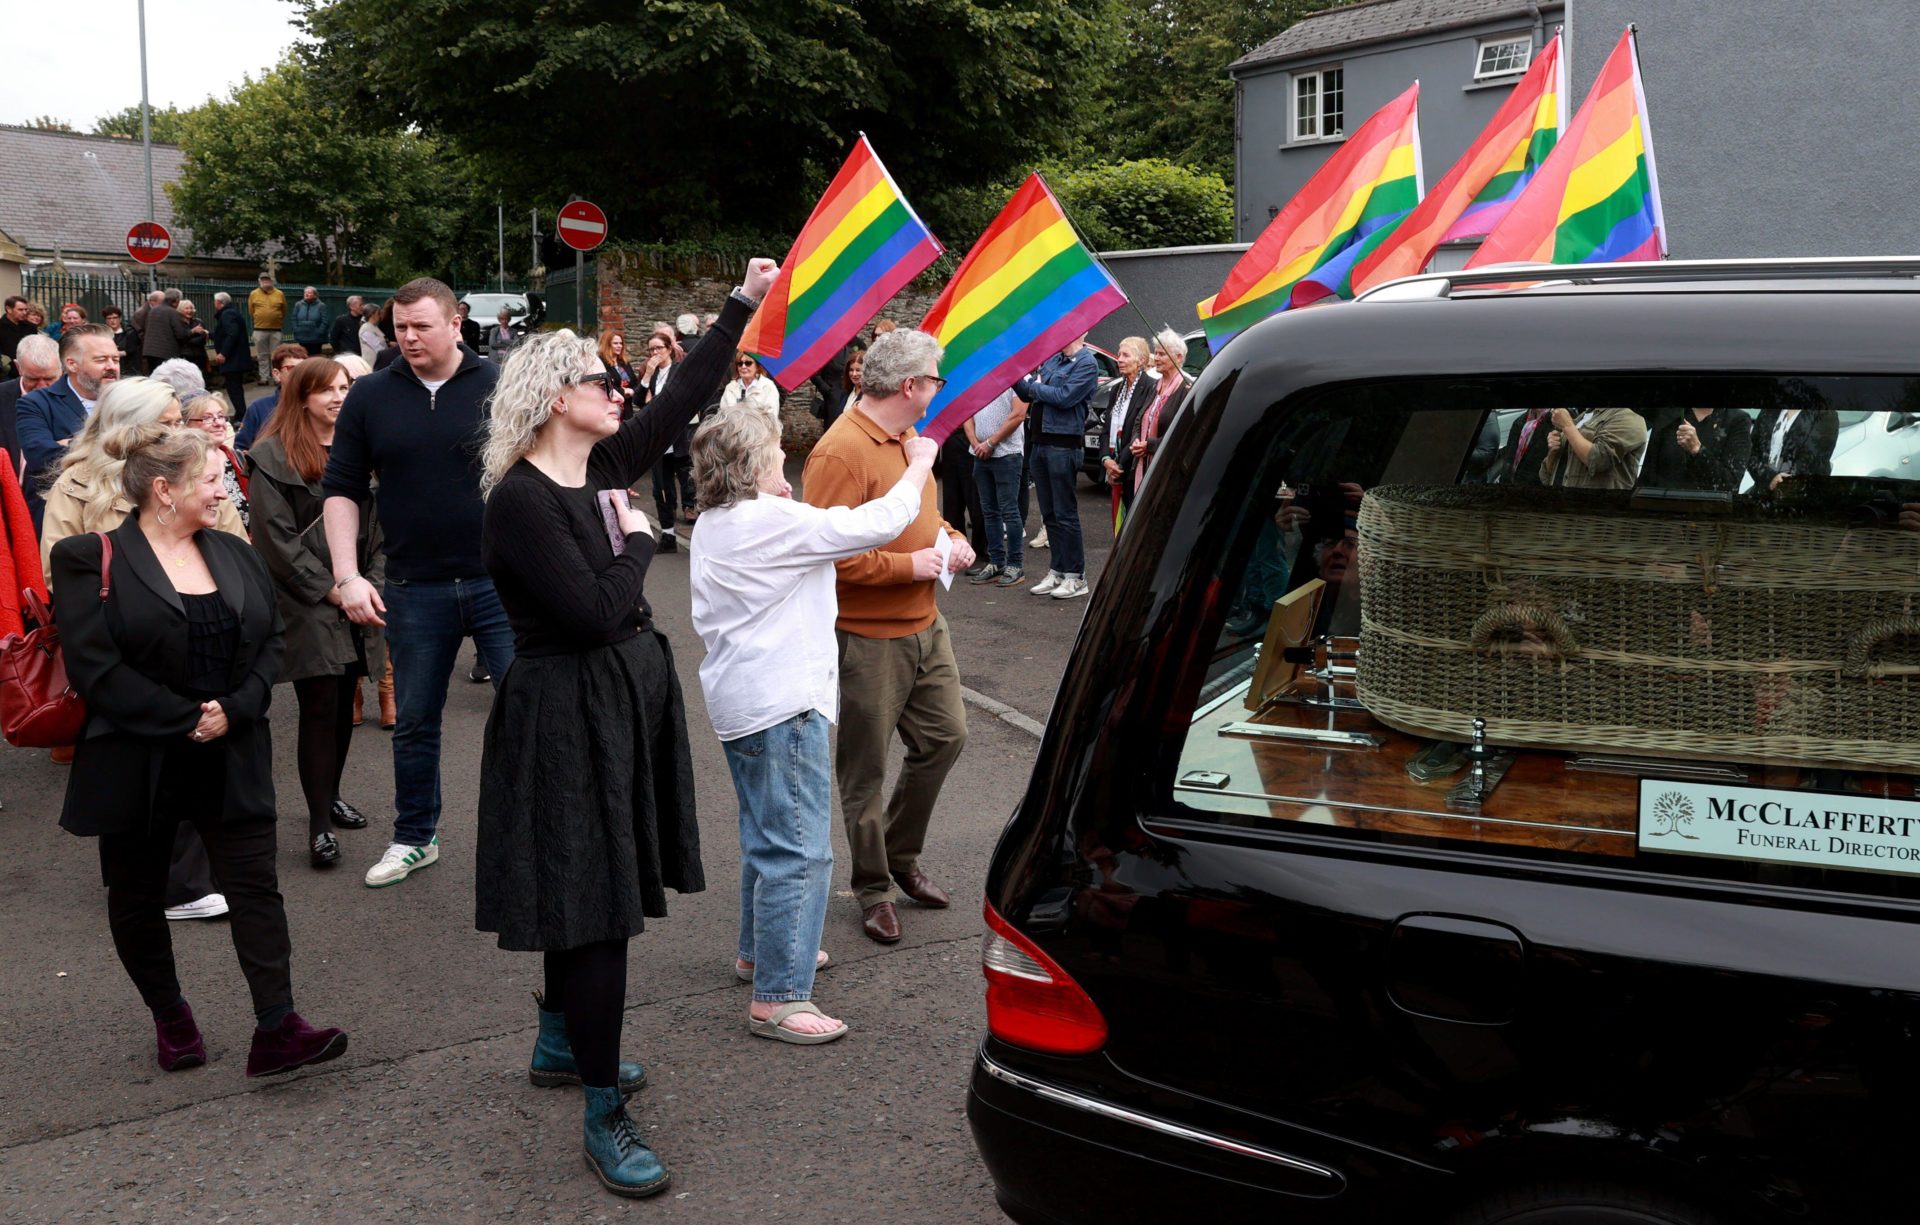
(1141,349)
(354,364)
(158,452)
(99,452)
(730,451)
(538,372)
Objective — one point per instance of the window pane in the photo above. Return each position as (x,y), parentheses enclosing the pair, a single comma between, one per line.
(1656,636)
(1333,109)
(1305,106)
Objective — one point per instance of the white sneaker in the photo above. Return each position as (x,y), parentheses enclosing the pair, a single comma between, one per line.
(1040,541)
(1048,583)
(211,906)
(400,861)
(1070,587)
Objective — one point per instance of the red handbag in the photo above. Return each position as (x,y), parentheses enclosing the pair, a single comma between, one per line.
(38,707)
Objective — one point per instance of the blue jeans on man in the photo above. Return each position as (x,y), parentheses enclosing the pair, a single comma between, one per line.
(426,622)
(999,482)
(1056,470)
(784,779)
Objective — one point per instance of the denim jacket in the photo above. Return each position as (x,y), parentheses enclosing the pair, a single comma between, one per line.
(1062,388)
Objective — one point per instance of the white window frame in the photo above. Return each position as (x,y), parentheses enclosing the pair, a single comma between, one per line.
(1317,79)
(1523,41)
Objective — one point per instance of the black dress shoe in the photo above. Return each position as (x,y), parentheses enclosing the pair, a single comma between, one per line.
(346,816)
(478,674)
(325,850)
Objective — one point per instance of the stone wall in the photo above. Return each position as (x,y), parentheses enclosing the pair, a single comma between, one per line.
(633,295)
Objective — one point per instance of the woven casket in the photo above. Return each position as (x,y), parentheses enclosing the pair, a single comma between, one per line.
(1746,637)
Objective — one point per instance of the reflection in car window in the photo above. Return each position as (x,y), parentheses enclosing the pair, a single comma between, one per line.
(1432,638)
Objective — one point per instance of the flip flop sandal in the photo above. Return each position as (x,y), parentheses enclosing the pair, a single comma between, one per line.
(820,962)
(772,1028)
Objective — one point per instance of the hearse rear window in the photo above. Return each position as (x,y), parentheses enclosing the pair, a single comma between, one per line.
(1667,623)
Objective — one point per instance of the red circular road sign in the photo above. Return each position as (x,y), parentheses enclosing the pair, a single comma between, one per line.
(582,225)
(149,242)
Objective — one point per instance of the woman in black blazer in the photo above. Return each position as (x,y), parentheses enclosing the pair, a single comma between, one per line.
(1789,442)
(176,660)
(1130,400)
(1156,414)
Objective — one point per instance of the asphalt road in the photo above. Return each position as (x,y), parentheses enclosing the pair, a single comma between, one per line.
(429,1115)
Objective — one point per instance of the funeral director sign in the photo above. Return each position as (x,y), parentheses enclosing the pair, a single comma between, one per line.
(1808,828)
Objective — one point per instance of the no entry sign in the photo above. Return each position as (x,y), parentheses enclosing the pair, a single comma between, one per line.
(582,225)
(149,242)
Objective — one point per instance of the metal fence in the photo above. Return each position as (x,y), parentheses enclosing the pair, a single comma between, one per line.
(561,299)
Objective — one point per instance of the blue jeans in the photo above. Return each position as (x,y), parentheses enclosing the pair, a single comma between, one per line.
(1056,469)
(999,482)
(784,779)
(426,622)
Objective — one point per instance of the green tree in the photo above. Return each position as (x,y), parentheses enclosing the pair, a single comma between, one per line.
(686,118)
(168,124)
(47,123)
(1146,203)
(1173,98)
(279,166)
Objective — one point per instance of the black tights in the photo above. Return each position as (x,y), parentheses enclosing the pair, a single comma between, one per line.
(326,732)
(589,984)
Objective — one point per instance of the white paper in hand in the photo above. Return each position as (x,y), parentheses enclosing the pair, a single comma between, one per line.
(943,549)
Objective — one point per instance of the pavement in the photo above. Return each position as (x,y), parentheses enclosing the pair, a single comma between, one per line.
(429,1115)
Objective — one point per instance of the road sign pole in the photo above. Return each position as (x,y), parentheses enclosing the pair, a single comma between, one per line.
(579,291)
(146,125)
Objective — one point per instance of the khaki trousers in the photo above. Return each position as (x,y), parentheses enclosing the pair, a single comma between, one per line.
(910,685)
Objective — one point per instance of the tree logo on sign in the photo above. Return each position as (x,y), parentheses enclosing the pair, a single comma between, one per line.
(1674,811)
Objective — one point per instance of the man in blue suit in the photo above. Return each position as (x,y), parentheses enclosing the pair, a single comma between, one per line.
(49,418)
(231,351)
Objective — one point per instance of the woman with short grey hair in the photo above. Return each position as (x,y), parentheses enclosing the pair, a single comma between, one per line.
(762,574)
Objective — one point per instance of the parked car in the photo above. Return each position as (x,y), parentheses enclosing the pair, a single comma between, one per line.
(484,308)
(1401,849)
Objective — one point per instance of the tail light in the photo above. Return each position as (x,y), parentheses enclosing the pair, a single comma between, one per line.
(1031,1002)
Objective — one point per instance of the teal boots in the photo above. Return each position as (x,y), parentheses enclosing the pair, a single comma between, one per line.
(615,1151)
(553,1057)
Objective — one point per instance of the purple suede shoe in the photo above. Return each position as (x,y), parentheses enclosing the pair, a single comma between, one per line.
(295,1044)
(179,1039)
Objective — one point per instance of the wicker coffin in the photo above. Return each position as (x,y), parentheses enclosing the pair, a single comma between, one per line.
(1592,626)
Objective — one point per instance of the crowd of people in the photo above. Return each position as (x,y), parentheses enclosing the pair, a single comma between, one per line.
(365,517)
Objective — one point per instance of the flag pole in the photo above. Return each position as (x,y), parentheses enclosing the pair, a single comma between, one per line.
(1081,235)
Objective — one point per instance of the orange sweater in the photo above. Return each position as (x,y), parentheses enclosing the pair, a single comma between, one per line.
(856,462)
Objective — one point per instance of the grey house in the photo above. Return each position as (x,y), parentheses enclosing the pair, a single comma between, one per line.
(1781,127)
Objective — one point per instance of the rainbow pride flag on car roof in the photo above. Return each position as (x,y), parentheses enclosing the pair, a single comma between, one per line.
(1366,188)
(1478,191)
(1596,198)
(1027,288)
(859,248)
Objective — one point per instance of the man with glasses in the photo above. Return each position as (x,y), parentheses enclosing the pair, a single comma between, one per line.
(417,424)
(897,671)
(37,359)
(285,358)
(50,417)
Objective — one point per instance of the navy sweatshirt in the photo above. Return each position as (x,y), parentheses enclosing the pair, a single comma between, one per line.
(425,448)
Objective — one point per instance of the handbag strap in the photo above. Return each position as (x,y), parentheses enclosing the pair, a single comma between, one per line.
(106,560)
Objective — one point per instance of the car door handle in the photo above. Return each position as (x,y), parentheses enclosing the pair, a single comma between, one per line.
(1455,968)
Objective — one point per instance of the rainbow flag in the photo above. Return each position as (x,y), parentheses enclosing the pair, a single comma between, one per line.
(1026,289)
(859,248)
(1596,198)
(1482,186)
(1366,188)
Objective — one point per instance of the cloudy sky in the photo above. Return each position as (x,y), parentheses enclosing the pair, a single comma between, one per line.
(79,60)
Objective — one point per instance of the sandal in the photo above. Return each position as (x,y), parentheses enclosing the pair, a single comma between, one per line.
(772,1027)
(820,962)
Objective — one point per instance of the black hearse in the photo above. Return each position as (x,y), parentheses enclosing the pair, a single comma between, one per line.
(1407,847)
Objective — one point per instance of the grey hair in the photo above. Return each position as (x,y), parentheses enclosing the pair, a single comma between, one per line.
(181,375)
(40,349)
(311,289)
(157,295)
(687,325)
(730,451)
(893,358)
(173,295)
(221,298)
(128,410)
(537,374)
(354,297)
(1169,340)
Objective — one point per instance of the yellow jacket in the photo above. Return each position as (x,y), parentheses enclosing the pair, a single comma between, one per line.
(268,307)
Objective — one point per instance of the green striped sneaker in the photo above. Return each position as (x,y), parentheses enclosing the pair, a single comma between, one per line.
(400,862)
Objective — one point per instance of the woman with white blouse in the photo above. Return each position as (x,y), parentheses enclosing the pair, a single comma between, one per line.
(752,387)
(762,573)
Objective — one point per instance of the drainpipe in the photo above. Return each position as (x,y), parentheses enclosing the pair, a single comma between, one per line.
(1539,25)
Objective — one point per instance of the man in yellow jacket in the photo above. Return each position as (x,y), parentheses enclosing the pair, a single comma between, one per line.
(267,307)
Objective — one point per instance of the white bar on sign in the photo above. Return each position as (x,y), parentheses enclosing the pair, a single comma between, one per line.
(590,227)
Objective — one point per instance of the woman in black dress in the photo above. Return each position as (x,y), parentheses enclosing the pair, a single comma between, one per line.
(586,782)
(171,636)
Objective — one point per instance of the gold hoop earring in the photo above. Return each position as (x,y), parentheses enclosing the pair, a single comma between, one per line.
(168,515)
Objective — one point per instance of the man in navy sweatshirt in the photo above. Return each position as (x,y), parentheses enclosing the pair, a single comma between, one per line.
(419,425)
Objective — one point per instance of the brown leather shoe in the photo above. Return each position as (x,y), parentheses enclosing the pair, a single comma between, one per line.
(359,705)
(881,923)
(920,887)
(389,713)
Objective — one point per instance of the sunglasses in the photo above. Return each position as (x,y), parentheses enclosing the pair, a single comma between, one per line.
(743,363)
(609,382)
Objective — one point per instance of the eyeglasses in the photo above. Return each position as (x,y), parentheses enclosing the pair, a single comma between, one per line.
(609,382)
(939,384)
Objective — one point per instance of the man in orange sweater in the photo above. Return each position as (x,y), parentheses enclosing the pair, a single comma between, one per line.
(897,672)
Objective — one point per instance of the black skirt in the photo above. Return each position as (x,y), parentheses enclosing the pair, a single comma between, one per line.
(586,798)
